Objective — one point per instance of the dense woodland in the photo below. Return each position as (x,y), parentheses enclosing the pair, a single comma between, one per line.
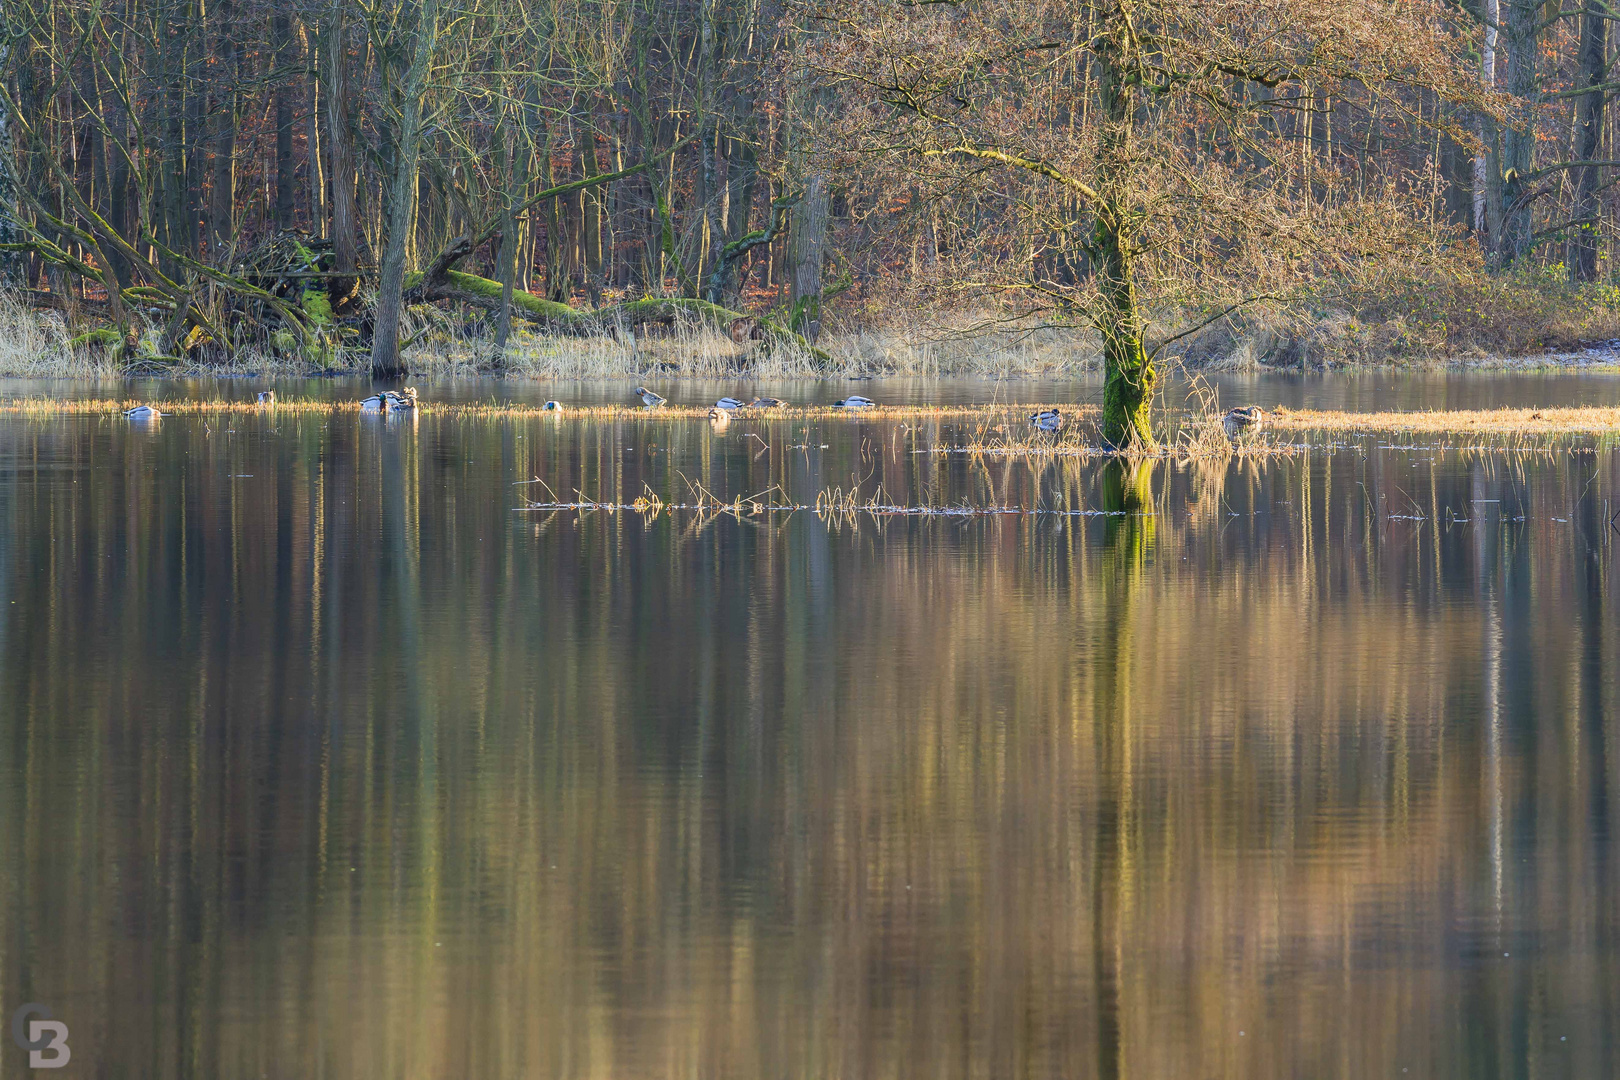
(288,175)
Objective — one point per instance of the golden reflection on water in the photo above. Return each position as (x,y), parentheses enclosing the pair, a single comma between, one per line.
(323,759)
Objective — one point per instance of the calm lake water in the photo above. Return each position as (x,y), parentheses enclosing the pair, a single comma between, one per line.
(321,756)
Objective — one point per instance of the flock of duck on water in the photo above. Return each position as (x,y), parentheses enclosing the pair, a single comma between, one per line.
(389,401)
(1237,422)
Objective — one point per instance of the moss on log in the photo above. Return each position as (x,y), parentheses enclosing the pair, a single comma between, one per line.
(103,338)
(486,293)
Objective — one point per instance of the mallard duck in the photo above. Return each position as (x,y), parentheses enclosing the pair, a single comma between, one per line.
(1244,420)
(648,398)
(1046,420)
(267,397)
(855,402)
(403,401)
(142,412)
(374,403)
(767,403)
(552,406)
(728,403)
(719,417)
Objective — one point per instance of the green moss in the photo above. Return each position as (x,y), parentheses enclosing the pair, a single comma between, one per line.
(650,308)
(104,338)
(317,306)
(491,290)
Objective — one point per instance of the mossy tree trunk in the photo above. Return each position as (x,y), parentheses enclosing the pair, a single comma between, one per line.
(1128,374)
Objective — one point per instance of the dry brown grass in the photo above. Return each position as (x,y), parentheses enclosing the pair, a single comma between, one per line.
(1509,423)
(41,406)
(36,345)
(988,429)
(1466,317)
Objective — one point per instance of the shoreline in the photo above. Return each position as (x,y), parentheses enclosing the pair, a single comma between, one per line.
(1590,360)
(1005,420)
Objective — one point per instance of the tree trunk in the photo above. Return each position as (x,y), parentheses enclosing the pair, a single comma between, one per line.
(591,205)
(1128,375)
(1486,171)
(517,156)
(1521,35)
(806,241)
(385,361)
(558,286)
(222,187)
(315,178)
(1582,253)
(176,86)
(743,172)
(281,44)
(345,229)
(11,270)
(118,189)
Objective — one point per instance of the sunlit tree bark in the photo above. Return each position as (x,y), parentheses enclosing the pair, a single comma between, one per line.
(385,360)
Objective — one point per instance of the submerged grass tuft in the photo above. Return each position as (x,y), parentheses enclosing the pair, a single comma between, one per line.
(1582,420)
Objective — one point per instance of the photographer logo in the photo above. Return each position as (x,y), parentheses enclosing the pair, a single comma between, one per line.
(45,1039)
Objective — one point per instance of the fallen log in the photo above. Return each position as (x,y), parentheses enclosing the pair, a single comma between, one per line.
(441,283)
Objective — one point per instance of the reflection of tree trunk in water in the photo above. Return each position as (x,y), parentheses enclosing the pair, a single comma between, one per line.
(1506,989)
(1104,931)
(1127,489)
(1128,498)
(1485,587)
(1595,711)
(1594,747)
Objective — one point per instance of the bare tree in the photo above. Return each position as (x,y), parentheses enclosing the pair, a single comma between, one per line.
(1164,166)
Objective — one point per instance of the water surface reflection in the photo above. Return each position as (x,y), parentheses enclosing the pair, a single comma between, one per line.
(321,757)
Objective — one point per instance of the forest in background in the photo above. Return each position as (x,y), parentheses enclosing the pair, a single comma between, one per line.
(188,181)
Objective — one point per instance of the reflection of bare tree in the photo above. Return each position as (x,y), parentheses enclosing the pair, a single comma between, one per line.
(592,796)
(1127,496)
(1127,488)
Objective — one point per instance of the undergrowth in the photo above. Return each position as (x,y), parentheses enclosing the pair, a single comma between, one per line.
(1462,315)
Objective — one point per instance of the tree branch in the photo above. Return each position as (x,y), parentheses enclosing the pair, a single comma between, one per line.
(1039,167)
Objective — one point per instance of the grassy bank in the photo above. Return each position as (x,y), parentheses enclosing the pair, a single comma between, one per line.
(1533,318)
